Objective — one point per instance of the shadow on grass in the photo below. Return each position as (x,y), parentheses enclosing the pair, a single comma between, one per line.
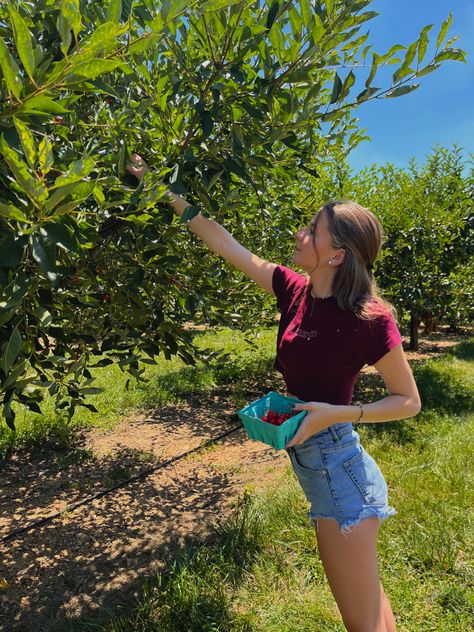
(464,350)
(110,546)
(193,592)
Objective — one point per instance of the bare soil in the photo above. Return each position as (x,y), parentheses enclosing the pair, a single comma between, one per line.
(99,554)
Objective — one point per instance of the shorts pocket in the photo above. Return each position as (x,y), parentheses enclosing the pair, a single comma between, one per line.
(314,481)
(367,477)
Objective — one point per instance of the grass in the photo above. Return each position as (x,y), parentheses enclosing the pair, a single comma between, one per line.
(259,570)
(168,381)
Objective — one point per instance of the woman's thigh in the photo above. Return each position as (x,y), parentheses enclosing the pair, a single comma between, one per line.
(350,564)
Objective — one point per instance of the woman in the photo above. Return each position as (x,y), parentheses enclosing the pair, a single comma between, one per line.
(332,324)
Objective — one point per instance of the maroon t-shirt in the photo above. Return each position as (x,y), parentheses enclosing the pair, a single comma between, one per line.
(321,348)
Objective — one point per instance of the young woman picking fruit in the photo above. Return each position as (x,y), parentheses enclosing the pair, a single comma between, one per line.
(332,323)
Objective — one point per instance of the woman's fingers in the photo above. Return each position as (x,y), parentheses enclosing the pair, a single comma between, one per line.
(137,166)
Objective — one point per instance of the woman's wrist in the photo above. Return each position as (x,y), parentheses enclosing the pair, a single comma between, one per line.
(348,414)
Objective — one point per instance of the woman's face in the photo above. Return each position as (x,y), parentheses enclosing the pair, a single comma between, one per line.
(314,245)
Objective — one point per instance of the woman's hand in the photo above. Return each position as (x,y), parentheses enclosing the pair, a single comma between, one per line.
(317,419)
(137,167)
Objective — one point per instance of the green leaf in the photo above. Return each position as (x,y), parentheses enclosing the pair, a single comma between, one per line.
(64,29)
(455,54)
(405,69)
(11,351)
(272,13)
(367,93)
(10,211)
(144,43)
(43,104)
(94,68)
(33,188)
(444,29)
(43,253)
(43,316)
(427,69)
(373,69)
(114,11)
(60,194)
(23,42)
(10,70)
(401,90)
(71,13)
(306,11)
(78,170)
(9,415)
(391,52)
(189,212)
(348,83)
(296,23)
(45,155)
(319,30)
(336,89)
(365,17)
(58,234)
(207,123)
(126,10)
(27,141)
(423,42)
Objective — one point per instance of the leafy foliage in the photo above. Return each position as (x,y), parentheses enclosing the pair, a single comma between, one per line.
(226,100)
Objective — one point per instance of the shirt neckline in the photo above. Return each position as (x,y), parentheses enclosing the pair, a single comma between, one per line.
(317,298)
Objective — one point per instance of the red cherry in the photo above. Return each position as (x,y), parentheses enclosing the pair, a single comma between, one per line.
(58,120)
(106,297)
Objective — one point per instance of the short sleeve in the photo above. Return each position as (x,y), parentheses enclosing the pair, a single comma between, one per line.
(286,283)
(376,337)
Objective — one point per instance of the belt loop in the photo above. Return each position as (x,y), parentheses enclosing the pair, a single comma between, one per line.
(335,436)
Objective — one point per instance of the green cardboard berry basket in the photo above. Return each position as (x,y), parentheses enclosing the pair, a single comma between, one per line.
(258,430)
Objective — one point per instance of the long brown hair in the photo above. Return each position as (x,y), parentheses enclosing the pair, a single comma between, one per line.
(356,230)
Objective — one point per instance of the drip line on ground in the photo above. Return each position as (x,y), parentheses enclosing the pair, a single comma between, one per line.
(108,490)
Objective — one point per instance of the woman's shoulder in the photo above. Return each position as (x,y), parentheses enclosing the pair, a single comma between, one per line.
(288,278)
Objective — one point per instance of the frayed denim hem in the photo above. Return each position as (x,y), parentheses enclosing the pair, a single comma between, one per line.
(349,525)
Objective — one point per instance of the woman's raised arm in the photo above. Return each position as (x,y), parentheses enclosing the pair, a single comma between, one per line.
(216,237)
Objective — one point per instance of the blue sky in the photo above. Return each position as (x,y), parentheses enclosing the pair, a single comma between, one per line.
(441,111)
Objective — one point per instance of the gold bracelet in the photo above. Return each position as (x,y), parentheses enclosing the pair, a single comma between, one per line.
(361,412)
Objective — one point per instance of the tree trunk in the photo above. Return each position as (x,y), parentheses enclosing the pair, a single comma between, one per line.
(414,324)
(429,322)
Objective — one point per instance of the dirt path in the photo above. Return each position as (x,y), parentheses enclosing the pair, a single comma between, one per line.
(101,553)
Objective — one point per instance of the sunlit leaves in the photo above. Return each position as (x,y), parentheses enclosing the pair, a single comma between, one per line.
(231,104)
(33,188)
(10,70)
(423,42)
(444,29)
(42,104)
(92,69)
(454,54)
(23,41)
(27,142)
(405,68)
(45,155)
(402,90)
(114,10)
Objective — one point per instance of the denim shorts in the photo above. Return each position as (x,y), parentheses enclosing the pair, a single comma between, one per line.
(339,478)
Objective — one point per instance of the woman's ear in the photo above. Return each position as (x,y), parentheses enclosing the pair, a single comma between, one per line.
(338,258)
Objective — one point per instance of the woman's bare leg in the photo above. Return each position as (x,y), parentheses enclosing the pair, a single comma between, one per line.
(350,564)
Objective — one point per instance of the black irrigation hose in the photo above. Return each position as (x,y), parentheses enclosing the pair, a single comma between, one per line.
(104,492)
